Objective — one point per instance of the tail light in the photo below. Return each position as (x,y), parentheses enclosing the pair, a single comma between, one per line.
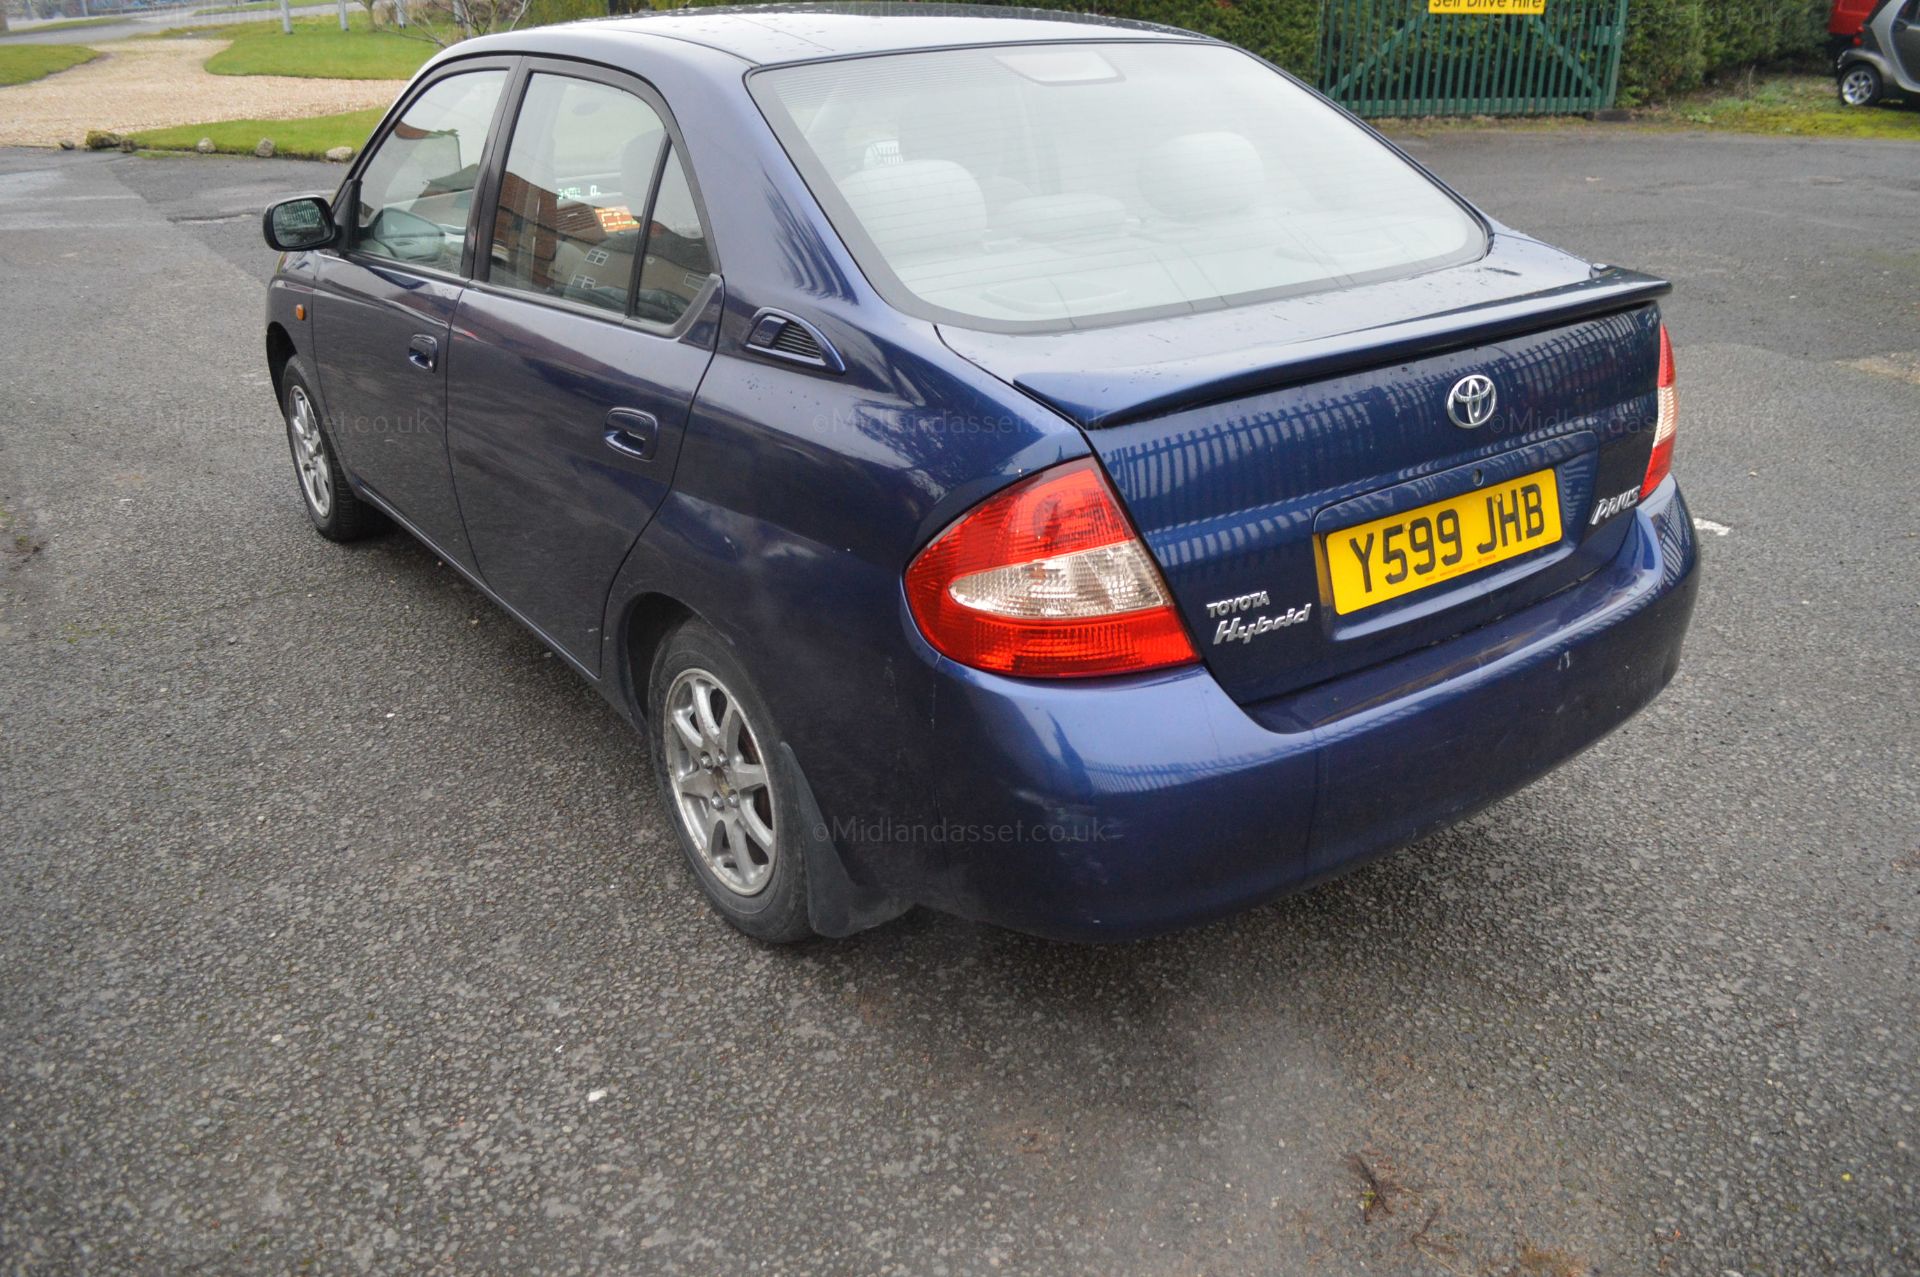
(1047,580)
(1661,462)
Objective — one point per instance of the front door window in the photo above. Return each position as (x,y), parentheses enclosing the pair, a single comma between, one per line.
(417,191)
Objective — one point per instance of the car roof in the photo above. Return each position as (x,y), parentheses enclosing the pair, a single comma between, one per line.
(769,34)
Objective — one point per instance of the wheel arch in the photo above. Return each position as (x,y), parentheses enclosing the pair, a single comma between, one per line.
(1854,57)
(649,617)
(280,353)
(836,905)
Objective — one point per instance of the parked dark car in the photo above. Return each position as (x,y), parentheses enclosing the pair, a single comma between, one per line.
(1061,472)
(1885,56)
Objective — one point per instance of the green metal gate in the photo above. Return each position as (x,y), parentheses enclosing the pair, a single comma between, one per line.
(1394,57)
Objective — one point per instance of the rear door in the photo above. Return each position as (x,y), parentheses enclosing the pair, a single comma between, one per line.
(577,351)
(383,304)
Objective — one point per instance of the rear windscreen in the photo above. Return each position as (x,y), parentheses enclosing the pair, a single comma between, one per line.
(1066,185)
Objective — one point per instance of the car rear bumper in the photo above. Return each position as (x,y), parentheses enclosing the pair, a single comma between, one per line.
(1140,805)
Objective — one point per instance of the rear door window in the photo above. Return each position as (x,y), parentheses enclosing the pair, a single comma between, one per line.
(577,180)
(676,263)
(595,208)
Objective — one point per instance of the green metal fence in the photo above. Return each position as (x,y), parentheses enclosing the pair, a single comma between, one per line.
(1393,57)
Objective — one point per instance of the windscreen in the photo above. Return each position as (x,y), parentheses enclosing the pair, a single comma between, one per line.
(1069,185)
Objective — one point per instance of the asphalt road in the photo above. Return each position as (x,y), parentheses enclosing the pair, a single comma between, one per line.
(145,24)
(340,931)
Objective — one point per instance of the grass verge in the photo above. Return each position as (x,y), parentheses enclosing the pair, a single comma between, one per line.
(1799,105)
(1793,104)
(318,50)
(309,139)
(20,63)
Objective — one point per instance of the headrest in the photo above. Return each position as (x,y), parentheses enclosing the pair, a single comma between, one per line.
(1200,175)
(1057,217)
(919,206)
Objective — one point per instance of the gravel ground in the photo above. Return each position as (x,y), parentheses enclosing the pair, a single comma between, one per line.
(153,84)
(340,930)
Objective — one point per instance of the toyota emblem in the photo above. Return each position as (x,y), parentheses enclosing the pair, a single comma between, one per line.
(1470,403)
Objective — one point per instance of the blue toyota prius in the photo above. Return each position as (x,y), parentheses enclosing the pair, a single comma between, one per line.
(1061,472)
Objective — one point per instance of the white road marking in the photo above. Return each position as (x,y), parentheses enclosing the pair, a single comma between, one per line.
(1708,525)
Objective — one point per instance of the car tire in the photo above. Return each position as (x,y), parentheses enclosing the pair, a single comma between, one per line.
(728,786)
(337,513)
(1859,84)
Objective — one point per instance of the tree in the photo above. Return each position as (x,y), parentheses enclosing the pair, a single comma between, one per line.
(470,18)
(396,8)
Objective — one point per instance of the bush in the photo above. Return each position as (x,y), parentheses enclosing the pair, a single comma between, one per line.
(1676,45)
(1671,45)
(1284,31)
(540,13)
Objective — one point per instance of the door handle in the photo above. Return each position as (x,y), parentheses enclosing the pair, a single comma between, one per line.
(632,433)
(423,352)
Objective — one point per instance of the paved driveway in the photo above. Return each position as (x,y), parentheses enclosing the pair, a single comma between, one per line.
(339,929)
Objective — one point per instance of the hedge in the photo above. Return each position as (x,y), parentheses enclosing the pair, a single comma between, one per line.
(1676,45)
(1671,45)
(1287,31)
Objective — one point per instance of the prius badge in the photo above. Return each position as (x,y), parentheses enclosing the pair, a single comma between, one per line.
(1471,402)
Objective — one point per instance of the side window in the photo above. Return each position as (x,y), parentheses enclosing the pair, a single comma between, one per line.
(417,191)
(574,192)
(676,262)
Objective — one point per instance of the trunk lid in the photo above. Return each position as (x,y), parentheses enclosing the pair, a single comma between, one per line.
(1240,439)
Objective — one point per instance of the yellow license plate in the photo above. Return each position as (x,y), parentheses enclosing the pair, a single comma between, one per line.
(1402,553)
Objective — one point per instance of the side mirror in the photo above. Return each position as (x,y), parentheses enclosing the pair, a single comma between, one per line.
(303,222)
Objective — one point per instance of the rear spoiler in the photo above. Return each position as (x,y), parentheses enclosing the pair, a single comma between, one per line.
(1108,377)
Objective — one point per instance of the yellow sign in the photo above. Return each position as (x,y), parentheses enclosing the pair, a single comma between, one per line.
(1488,8)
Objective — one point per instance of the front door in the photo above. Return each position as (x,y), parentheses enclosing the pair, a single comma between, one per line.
(575,361)
(383,306)
(1906,40)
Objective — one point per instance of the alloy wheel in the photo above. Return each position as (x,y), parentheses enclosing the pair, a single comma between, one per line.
(722,789)
(1856,87)
(309,451)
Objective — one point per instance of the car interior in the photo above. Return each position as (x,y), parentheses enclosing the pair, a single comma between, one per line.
(1073,181)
